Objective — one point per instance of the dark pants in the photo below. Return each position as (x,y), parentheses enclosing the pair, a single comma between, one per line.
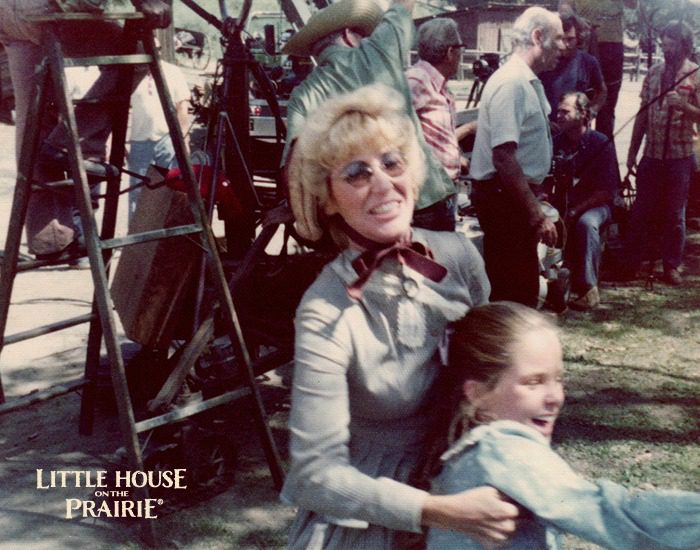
(662,194)
(611,58)
(510,246)
(440,216)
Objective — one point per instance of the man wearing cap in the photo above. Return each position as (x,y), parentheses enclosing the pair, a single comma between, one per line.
(439,56)
(512,155)
(356,44)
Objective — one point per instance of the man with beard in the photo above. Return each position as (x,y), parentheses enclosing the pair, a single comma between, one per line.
(595,179)
(512,155)
(576,71)
(663,175)
(606,44)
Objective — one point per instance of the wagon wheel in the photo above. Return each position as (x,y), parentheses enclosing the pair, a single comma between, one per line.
(194,55)
(202,56)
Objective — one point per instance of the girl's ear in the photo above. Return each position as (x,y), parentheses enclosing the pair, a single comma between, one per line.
(473,390)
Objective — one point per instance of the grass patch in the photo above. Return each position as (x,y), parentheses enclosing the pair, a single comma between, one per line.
(633,388)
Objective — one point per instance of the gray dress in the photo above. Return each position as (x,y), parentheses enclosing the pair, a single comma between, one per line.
(359,409)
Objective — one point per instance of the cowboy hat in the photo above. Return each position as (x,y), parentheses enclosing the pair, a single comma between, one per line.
(360,15)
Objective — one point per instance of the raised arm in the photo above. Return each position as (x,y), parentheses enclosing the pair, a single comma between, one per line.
(680,102)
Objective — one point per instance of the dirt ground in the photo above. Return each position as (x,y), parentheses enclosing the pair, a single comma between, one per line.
(236,507)
(239,509)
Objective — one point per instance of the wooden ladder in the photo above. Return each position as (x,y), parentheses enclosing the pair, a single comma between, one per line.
(100,246)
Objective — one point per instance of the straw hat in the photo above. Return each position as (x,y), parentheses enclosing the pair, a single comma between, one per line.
(360,15)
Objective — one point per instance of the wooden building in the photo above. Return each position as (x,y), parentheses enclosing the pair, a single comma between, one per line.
(486,26)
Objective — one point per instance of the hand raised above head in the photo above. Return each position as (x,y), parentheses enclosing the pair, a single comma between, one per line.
(158,13)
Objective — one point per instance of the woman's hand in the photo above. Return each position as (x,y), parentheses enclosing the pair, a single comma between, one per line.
(484,514)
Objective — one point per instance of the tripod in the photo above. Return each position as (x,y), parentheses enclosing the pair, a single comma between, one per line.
(475,93)
(254,215)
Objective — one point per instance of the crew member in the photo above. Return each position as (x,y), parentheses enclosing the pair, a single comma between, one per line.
(576,71)
(50,227)
(607,19)
(594,178)
(512,155)
(671,90)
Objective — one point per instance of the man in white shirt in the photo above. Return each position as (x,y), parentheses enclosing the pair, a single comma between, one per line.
(512,155)
(150,141)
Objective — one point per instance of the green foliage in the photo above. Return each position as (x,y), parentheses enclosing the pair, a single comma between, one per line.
(654,14)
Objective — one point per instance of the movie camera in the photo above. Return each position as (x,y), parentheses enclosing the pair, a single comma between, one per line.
(482,68)
(266,271)
(485,66)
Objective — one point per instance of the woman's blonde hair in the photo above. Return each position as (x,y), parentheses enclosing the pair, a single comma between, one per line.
(372,118)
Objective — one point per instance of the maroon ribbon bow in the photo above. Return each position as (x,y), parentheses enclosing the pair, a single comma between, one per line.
(415,255)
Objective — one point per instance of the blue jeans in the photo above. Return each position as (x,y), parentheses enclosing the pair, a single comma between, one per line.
(584,249)
(662,194)
(141,155)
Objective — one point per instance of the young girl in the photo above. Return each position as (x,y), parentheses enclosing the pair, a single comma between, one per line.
(507,360)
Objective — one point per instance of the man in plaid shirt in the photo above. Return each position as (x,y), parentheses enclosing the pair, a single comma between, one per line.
(439,52)
(672,91)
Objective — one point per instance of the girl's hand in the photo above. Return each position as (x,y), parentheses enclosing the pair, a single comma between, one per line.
(484,514)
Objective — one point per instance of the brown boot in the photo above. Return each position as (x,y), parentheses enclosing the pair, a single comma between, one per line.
(585,302)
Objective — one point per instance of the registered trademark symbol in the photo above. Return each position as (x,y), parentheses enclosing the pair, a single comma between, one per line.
(160,501)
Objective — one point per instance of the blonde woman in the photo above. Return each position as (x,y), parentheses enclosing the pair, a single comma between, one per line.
(368,332)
